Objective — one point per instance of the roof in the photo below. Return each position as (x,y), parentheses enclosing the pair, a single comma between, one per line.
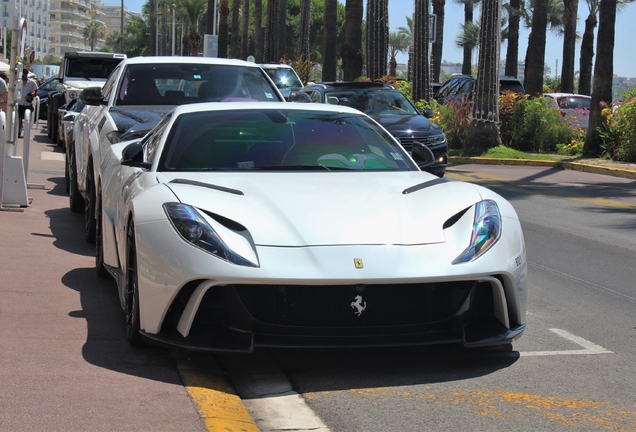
(262,106)
(186,59)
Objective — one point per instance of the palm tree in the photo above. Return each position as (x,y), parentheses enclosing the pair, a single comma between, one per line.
(420,58)
(305,21)
(535,56)
(245,29)
(468,39)
(92,31)
(569,45)
(234,31)
(258,30)
(329,55)
(377,38)
(512,47)
(483,131)
(408,31)
(224,13)
(194,11)
(467,45)
(281,25)
(271,35)
(398,43)
(351,53)
(603,74)
(438,10)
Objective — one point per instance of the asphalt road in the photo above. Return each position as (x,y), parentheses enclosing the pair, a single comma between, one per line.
(66,364)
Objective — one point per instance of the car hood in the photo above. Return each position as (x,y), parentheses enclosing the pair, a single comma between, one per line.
(81,83)
(138,117)
(407,125)
(308,209)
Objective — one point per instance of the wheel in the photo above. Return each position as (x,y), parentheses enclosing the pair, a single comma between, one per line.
(99,246)
(89,206)
(132,290)
(75,199)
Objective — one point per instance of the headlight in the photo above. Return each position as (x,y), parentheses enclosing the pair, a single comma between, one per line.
(72,94)
(486,231)
(436,139)
(193,228)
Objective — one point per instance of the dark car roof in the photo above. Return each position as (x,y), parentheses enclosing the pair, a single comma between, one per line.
(350,84)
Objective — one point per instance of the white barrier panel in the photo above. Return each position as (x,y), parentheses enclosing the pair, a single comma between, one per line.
(14,190)
(36,111)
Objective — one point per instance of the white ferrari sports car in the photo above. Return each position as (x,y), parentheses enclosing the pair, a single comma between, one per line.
(231,226)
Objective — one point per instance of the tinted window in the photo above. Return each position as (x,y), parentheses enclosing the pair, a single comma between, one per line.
(175,84)
(280,140)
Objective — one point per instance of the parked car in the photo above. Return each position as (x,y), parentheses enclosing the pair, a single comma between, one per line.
(399,116)
(459,87)
(235,226)
(143,90)
(284,76)
(48,86)
(574,107)
(68,113)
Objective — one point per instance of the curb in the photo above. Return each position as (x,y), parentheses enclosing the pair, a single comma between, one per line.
(575,166)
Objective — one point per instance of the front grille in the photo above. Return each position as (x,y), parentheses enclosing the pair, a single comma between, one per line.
(339,305)
(407,141)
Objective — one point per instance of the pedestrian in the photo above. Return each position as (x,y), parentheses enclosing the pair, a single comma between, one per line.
(4,91)
(344,101)
(29,90)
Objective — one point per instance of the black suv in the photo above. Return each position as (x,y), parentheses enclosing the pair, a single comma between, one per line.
(459,87)
(389,107)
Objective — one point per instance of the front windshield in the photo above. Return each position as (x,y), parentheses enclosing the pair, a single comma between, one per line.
(177,84)
(280,140)
(284,78)
(373,102)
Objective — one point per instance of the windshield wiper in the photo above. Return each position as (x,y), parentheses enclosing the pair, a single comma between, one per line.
(300,167)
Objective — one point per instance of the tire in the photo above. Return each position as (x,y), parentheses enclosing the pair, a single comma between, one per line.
(132,290)
(67,179)
(99,245)
(75,199)
(89,206)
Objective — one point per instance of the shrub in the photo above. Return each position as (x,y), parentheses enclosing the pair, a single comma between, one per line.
(454,119)
(619,131)
(536,126)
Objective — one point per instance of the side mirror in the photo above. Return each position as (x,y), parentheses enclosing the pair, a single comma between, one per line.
(422,155)
(298,96)
(428,113)
(92,96)
(133,155)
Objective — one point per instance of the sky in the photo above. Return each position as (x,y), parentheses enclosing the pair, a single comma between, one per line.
(624,57)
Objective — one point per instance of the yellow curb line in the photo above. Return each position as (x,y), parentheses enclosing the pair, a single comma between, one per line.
(575,166)
(218,405)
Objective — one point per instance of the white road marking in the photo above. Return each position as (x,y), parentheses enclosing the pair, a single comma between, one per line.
(49,155)
(588,347)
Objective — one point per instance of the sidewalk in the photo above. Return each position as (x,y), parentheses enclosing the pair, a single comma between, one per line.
(65,361)
(596,166)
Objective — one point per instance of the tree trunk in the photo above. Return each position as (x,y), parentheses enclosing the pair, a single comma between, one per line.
(512,50)
(467,58)
(152,18)
(305,21)
(271,43)
(438,9)
(421,54)
(603,76)
(329,54)
(244,30)
(282,29)
(377,40)
(535,56)
(569,45)
(234,32)
(351,54)
(587,55)
(224,13)
(258,30)
(483,132)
